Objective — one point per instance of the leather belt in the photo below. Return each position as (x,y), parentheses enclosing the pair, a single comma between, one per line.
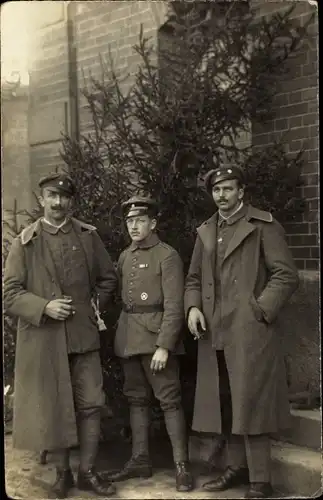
(142,308)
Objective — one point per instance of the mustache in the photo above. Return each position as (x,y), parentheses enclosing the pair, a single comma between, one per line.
(58,207)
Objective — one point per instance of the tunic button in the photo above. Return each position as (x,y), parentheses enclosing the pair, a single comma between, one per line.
(134,259)
(207,297)
(132,274)
(53,294)
(131,282)
(133,267)
(130,291)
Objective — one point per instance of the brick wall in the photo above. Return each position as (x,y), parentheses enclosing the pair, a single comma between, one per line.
(114,26)
(15,151)
(69,37)
(49,87)
(296,113)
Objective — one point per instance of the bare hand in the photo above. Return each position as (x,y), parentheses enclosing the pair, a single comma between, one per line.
(59,309)
(159,359)
(196,320)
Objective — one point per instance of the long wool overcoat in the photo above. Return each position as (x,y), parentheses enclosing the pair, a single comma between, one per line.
(258,276)
(44,415)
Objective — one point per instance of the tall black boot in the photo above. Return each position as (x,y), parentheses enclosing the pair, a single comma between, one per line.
(64,477)
(89,434)
(176,428)
(139,464)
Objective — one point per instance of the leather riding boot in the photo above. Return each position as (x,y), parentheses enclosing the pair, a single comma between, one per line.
(139,464)
(91,481)
(176,429)
(230,479)
(89,434)
(64,482)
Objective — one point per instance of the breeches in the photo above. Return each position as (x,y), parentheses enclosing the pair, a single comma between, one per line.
(87,382)
(140,383)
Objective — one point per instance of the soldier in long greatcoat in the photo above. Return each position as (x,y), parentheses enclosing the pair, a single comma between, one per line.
(55,267)
(241,275)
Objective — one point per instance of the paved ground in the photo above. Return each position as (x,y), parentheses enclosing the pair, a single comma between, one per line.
(25,478)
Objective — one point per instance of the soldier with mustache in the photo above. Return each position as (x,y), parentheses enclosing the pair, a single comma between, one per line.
(241,275)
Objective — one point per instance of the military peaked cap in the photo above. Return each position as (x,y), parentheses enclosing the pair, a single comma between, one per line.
(139,205)
(222,174)
(63,182)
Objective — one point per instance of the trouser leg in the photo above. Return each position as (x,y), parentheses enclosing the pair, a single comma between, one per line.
(235,444)
(258,449)
(61,458)
(89,434)
(167,389)
(87,382)
(236,452)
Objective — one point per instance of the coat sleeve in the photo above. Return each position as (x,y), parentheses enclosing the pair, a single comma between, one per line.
(18,301)
(193,282)
(283,275)
(173,290)
(106,277)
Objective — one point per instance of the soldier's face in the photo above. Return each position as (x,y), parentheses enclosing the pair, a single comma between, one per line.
(56,204)
(140,227)
(227,195)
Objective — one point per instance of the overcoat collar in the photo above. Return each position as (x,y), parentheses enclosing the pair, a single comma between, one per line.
(42,250)
(208,230)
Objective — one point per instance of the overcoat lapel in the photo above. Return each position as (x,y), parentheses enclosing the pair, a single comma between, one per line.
(243,230)
(86,242)
(208,234)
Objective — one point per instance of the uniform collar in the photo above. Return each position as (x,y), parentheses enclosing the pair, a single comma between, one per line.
(149,242)
(50,228)
(241,212)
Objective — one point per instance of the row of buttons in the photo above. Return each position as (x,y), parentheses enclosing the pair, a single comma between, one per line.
(134,260)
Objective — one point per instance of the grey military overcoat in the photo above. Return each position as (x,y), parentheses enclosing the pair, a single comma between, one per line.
(257,277)
(44,416)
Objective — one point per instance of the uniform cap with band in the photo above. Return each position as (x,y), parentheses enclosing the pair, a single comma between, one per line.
(63,182)
(222,174)
(139,205)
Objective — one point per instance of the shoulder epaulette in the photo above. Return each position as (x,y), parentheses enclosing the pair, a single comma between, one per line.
(28,232)
(84,225)
(263,215)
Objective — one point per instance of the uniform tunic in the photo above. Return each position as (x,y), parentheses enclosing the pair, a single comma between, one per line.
(151,274)
(73,274)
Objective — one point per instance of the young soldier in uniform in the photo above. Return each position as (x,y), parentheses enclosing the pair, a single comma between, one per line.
(54,268)
(147,339)
(241,275)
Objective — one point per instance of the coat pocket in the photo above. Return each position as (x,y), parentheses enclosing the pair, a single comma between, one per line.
(153,322)
(259,315)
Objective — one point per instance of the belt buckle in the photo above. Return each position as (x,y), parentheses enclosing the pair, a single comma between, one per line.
(130,308)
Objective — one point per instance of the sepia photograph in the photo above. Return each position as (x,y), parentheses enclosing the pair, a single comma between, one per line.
(161,249)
